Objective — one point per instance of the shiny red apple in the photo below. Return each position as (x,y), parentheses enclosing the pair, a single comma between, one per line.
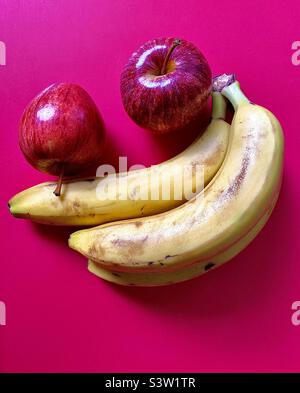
(166,85)
(61,131)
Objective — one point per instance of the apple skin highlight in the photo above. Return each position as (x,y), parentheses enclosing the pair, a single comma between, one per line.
(170,101)
(61,131)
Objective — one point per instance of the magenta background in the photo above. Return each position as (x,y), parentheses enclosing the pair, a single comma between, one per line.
(60,317)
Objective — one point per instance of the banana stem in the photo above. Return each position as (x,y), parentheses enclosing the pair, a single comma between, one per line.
(235,95)
(230,88)
(218,106)
(57,190)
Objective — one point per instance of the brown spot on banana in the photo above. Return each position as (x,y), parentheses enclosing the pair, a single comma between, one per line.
(209,266)
(233,189)
(138,223)
(96,251)
(130,247)
(76,204)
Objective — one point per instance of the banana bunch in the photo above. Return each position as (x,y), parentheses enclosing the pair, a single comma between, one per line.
(209,229)
(82,204)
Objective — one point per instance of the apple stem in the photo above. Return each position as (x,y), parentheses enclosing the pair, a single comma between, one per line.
(172,47)
(57,190)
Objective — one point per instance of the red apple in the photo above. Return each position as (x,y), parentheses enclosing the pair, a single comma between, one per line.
(61,131)
(166,84)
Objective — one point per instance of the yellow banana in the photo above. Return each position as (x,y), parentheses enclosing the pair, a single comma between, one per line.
(80,204)
(162,277)
(207,226)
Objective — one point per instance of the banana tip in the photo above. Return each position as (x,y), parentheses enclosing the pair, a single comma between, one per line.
(13,210)
(72,241)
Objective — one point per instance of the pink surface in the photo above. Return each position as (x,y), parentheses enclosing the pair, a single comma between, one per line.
(60,317)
